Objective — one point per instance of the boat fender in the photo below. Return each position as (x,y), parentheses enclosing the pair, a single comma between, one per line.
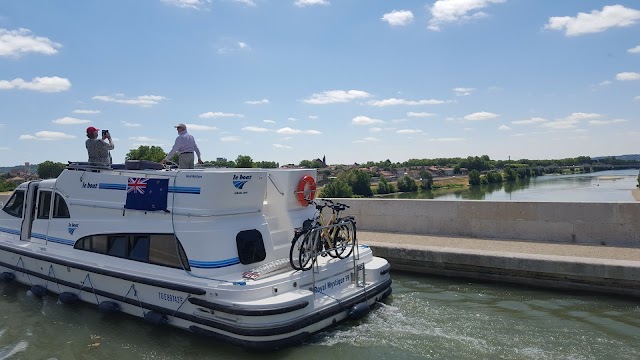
(156,318)
(38,291)
(68,298)
(7,276)
(358,311)
(108,307)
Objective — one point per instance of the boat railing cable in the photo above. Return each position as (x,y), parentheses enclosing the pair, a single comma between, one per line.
(175,236)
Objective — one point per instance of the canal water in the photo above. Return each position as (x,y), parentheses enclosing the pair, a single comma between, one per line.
(424,318)
(601,186)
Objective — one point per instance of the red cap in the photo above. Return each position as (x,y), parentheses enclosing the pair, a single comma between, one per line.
(91,129)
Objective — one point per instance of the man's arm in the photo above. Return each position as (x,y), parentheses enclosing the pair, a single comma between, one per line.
(174,149)
(195,146)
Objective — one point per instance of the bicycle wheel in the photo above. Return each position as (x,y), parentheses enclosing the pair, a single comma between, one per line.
(307,250)
(344,239)
(294,252)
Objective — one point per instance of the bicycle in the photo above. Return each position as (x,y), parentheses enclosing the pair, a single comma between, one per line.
(322,238)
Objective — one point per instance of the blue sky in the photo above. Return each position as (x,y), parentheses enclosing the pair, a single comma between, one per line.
(289,80)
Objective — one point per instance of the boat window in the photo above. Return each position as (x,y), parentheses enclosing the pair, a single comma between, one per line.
(15,205)
(163,251)
(118,246)
(60,209)
(140,250)
(250,246)
(158,249)
(44,204)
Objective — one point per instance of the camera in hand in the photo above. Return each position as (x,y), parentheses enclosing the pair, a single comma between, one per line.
(105,132)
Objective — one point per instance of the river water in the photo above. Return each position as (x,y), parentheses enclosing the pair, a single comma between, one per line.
(601,186)
(424,318)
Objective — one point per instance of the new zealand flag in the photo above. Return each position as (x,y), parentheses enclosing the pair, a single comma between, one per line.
(147,194)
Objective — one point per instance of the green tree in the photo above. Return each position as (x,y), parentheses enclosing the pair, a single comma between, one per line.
(338,188)
(267,164)
(50,170)
(144,152)
(474,177)
(510,174)
(359,180)
(407,184)
(383,186)
(244,161)
(305,164)
(427,180)
(221,163)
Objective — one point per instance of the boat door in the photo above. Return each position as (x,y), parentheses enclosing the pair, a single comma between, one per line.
(29,211)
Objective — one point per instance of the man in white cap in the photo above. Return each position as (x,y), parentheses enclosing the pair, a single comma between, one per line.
(185,146)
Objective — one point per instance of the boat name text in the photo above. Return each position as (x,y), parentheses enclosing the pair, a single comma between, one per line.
(331,284)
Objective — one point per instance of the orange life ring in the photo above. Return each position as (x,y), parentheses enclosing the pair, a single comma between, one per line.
(300,192)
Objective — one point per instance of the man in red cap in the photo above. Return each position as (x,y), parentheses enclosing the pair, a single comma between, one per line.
(98,149)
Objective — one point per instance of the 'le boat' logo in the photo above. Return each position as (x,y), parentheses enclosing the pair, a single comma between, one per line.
(240,180)
(72,227)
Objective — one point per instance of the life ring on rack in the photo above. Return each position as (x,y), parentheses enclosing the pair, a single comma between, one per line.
(302,185)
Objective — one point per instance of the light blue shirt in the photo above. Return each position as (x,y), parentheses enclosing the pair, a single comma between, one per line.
(184,143)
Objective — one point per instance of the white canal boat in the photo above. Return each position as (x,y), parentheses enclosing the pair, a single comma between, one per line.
(206,250)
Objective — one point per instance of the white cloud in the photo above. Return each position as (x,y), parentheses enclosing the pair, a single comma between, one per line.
(637,98)
(246,2)
(409,131)
(255,129)
(313,117)
(290,131)
(570,122)
(607,122)
(364,120)
(269,121)
(463,91)
(446,139)
(280,146)
(143,139)
(375,129)
(189,4)
(69,121)
(420,114)
(257,102)
(234,47)
(628,76)
(394,101)
(504,128)
(217,114)
(635,50)
(14,43)
(596,21)
(303,3)
(47,135)
(336,96)
(535,120)
(482,115)
(144,100)
(398,18)
(292,119)
(42,84)
(366,140)
(128,124)
(229,138)
(198,127)
(86,112)
(456,11)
